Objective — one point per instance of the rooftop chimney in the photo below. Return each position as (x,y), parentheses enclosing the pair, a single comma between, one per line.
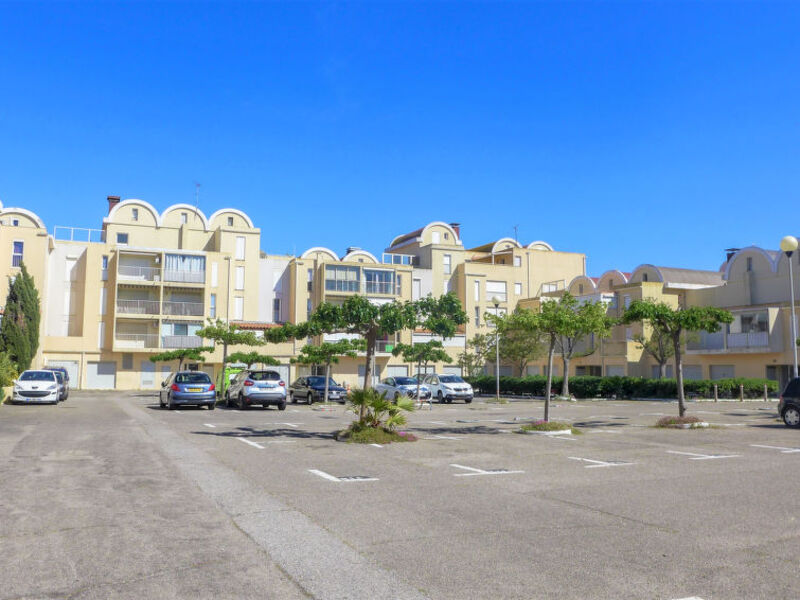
(729,252)
(457,228)
(112,202)
(351,249)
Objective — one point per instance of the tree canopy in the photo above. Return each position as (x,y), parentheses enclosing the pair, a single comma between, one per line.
(252,358)
(327,353)
(421,355)
(181,355)
(19,330)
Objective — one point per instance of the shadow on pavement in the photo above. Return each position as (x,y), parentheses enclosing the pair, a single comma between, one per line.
(252,432)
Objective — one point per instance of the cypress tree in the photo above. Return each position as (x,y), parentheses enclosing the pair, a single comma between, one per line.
(19,330)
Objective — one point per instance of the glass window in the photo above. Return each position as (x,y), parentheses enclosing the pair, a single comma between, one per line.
(416,289)
(230,221)
(127,360)
(518,289)
(193,377)
(240,247)
(184,218)
(477,291)
(447,261)
(104,262)
(496,289)
(239,278)
(477,316)
(16,256)
(379,282)
(342,279)
(135,214)
(212,306)
(517,261)
(626,300)
(265,376)
(276,310)
(451,379)
(37,376)
(122,239)
(238,308)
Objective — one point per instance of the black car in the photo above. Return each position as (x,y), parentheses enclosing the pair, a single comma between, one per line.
(312,389)
(789,405)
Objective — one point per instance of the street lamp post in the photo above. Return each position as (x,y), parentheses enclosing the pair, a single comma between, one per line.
(496,302)
(789,245)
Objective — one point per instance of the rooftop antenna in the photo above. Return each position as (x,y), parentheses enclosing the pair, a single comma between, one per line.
(516,238)
(196,198)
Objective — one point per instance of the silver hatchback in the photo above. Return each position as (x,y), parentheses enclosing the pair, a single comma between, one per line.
(251,387)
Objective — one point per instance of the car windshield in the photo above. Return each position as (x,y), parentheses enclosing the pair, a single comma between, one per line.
(312,381)
(265,376)
(405,381)
(450,379)
(192,378)
(37,376)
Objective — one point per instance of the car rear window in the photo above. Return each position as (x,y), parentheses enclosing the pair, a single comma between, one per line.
(192,378)
(37,376)
(793,389)
(265,376)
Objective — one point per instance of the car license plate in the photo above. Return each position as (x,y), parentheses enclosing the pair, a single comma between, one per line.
(270,385)
(194,389)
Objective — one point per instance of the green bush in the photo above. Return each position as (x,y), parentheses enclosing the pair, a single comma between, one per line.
(8,372)
(625,387)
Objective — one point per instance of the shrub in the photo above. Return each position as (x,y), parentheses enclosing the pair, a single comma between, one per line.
(548,426)
(379,412)
(8,372)
(626,387)
(674,421)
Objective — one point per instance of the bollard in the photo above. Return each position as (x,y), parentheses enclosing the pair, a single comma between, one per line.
(716,393)
(741,393)
(766,396)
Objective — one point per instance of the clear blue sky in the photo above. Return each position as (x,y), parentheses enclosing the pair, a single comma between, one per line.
(633,132)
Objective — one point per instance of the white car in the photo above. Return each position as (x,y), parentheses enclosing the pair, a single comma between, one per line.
(394,387)
(37,387)
(446,388)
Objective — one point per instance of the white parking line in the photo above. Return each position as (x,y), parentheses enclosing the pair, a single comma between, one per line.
(376,445)
(292,425)
(350,479)
(783,449)
(259,446)
(601,463)
(209,425)
(438,422)
(695,456)
(443,437)
(474,471)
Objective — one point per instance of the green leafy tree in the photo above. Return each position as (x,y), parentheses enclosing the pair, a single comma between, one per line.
(422,354)
(578,323)
(518,346)
(19,330)
(8,372)
(473,359)
(675,323)
(329,353)
(252,358)
(181,355)
(227,334)
(659,346)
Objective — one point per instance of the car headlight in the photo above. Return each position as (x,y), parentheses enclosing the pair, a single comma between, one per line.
(53,387)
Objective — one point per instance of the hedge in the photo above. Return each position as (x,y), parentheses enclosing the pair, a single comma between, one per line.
(626,387)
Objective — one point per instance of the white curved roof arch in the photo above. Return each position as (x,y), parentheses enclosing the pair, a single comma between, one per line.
(642,266)
(321,249)
(236,211)
(614,272)
(773,263)
(183,206)
(539,243)
(505,240)
(369,255)
(578,278)
(146,205)
(24,211)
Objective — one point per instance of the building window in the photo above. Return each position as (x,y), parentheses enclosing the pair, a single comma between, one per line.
(122,239)
(212,306)
(580,288)
(447,264)
(276,310)
(342,279)
(184,218)
(416,289)
(446,236)
(477,316)
(15,222)
(626,301)
(104,262)
(103,297)
(308,306)
(239,278)
(749,263)
(629,334)
(240,243)
(496,289)
(238,308)
(517,261)
(518,289)
(135,214)
(16,255)
(399,284)
(230,221)
(379,282)
(644,276)
(127,360)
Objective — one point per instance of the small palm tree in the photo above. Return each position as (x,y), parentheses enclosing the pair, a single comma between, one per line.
(378,411)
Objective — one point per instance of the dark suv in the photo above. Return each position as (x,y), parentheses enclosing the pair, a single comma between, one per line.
(789,405)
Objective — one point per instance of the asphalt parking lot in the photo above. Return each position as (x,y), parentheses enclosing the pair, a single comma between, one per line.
(264,503)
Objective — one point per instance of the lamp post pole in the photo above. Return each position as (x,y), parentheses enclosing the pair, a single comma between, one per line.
(789,245)
(496,302)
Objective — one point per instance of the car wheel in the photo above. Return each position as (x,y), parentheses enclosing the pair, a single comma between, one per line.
(282,405)
(791,416)
(292,399)
(440,397)
(161,402)
(170,403)
(227,400)
(310,398)
(396,397)
(469,400)
(242,405)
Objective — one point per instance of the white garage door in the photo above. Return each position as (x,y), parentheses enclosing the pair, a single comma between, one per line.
(284,372)
(101,375)
(72,370)
(456,370)
(397,371)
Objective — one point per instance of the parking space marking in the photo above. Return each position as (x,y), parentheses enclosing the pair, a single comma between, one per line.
(209,425)
(347,479)
(292,425)
(438,422)
(783,449)
(259,446)
(376,445)
(443,437)
(473,471)
(695,456)
(601,463)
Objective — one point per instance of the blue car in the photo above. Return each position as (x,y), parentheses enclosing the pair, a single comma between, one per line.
(187,387)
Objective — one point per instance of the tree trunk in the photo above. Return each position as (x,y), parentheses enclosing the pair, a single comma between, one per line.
(327,379)
(224,384)
(419,375)
(565,381)
(550,354)
(679,374)
(662,370)
(371,340)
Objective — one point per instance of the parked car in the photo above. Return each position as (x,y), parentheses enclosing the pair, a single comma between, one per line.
(63,380)
(37,387)
(227,375)
(312,389)
(394,387)
(789,404)
(446,388)
(251,387)
(187,387)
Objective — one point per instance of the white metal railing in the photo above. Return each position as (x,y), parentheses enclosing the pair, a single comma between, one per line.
(389,258)
(181,341)
(362,287)
(137,307)
(16,260)
(136,340)
(79,234)
(184,276)
(183,309)
(757,339)
(706,341)
(138,273)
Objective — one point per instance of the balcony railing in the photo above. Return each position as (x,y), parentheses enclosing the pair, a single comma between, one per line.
(730,342)
(79,234)
(389,258)
(380,287)
(136,273)
(757,339)
(136,340)
(384,346)
(181,341)
(137,307)
(184,276)
(707,341)
(183,309)
(362,287)
(16,260)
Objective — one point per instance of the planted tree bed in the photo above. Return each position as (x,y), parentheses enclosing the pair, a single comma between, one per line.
(372,435)
(549,428)
(681,423)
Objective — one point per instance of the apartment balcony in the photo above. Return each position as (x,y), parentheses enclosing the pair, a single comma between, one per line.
(729,343)
(382,288)
(183,309)
(180,276)
(138,273)
(135,341)
(181,341)
(138,307)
